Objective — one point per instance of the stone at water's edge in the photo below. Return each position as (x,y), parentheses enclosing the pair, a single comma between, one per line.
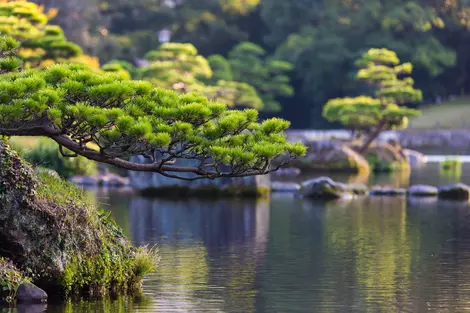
(323,188)
(454,192)
(29,293)
(157,184)
(331,156)
(50,232)
(423,191)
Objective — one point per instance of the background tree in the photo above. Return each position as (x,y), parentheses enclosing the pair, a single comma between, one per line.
(179,67)
(41,44)
(75,106)
(325,38)
(321,38)
(383,73)
(250,65)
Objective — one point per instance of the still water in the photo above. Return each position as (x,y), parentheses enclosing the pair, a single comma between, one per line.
(292,255)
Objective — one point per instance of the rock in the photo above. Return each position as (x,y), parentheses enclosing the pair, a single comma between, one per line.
(284,187)
(324,188)
(58,236)
(385,157)
(331,156)
(415,158)
(29,293)
(454,192)
(422,191)
(154,184)
(387,191)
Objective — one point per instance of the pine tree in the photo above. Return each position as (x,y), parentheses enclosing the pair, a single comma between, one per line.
(179,67)
(388,79)
(81,108)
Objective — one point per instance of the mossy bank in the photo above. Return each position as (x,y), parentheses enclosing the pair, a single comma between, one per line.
(50,234)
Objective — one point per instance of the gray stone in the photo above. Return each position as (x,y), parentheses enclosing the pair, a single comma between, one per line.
(324,188)
(331,156)
(423,191)
(29,293)
(454,192)
(284,187)
(387,191)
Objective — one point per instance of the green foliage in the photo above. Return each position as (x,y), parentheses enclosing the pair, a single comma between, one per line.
(221,68)
(381,70)
(210,25)
(247,63)
(108,118)
(451,165)
(10,279)
(41,43)
(179,67)
(45,152)
(146,261)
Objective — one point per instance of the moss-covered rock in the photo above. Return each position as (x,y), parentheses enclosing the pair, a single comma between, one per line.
(53,235)
(328,189)
(331,156)
(386,158)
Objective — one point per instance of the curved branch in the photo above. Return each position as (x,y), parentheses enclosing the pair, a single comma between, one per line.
(61,149)
(156,167)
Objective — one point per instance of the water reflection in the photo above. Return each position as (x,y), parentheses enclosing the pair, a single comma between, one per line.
(291,255)
(211,251)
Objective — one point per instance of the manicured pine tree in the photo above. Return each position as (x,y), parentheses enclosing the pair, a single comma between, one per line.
(392,87)
(41,44)
(108,118)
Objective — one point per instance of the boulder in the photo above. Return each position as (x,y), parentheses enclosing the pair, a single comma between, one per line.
(454,192)
(324,188)
(50,231)
(285,187)
(387,191)
(386,157)
(331,156)
(422,191)
(29,293)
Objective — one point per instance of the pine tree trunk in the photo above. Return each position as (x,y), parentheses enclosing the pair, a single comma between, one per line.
(372,137)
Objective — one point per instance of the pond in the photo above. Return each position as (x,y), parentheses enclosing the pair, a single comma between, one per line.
(293,255)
